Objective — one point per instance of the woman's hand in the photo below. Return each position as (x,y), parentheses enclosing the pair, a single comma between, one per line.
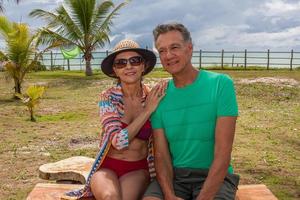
(155,95)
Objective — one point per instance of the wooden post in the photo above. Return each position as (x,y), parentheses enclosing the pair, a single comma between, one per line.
(245,61)
(200,59)
(268,61)
(51,61)
(80,61)
(232,60)
(68,62)
(291,61)
(222,59)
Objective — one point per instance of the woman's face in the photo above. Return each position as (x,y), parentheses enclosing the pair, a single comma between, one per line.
(129,67)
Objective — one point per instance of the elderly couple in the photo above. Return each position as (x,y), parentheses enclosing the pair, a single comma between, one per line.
(173,141)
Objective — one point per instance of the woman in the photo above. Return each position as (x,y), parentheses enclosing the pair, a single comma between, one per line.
(121,167)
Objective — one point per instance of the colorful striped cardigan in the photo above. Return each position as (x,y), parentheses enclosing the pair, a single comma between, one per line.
(111,111)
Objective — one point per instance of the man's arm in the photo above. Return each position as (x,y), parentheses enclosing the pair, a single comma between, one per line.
(225,129)
(163,164)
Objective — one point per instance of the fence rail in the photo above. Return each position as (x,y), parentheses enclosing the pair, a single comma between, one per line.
(229,59)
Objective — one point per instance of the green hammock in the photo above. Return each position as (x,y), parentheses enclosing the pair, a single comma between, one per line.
(70,53)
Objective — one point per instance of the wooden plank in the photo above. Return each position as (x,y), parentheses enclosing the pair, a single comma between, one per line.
(254,192)
(54,191)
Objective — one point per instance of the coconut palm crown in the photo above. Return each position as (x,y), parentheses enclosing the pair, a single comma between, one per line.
(18,55)
(82,23)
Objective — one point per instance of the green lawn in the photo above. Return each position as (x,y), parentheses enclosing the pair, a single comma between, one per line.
(266,148)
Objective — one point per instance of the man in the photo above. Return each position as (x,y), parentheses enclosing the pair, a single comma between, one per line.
(194,125)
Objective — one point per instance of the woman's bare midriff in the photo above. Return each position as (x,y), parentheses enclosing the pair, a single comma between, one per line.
(137,150)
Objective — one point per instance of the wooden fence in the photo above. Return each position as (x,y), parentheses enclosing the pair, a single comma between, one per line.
(220,59)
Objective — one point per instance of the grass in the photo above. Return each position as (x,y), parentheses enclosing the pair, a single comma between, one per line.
(266,148)
(67,116)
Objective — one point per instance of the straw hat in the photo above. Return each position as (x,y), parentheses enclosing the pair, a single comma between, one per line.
(128,45)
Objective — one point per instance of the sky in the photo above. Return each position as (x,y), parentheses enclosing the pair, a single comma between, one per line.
(214,24)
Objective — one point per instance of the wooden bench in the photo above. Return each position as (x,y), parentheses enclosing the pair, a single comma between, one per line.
(49,191)
(77,169)
(254,192)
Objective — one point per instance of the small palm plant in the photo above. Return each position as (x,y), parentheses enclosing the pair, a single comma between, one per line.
(20,54)
(32,98)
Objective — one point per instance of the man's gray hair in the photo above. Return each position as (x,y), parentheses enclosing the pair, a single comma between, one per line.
(164,28)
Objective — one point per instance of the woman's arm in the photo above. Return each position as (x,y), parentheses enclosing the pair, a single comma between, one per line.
(111,122)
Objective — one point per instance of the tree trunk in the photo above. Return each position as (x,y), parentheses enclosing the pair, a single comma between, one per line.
(88,68)
(31,115)
(17,87)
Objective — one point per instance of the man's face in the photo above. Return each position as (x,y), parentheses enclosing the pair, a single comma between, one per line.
(175,54)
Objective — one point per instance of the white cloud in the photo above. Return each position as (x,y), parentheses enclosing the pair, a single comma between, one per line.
(237,37)
(31,2)
(279,8)
(275,8)
(271,40)
(230,24)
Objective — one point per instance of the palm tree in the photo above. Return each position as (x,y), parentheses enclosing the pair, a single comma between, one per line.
(1,5)
(82,23)
(32,98)
(17,56)
(20,54)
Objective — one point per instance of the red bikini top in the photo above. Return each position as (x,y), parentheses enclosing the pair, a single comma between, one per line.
(144,133)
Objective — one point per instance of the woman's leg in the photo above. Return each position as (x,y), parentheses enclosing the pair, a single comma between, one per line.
(134,184)
(105,185)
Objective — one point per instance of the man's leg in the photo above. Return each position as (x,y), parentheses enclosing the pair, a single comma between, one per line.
(227,190)
(181,185)
(153,192)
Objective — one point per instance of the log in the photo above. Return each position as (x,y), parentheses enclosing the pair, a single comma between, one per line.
(75,169)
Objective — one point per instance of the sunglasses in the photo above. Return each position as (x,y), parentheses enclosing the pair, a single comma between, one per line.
(134,61)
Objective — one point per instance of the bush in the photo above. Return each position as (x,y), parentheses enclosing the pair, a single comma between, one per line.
(57,68)
(38,66)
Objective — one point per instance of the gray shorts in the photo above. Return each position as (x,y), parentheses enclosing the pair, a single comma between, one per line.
(188,183)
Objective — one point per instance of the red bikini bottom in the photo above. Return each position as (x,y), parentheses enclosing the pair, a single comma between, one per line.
(121,167)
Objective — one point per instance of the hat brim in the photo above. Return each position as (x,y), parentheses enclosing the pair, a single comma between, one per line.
(149,56)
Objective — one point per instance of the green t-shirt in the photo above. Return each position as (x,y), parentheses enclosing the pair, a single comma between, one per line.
(188,116)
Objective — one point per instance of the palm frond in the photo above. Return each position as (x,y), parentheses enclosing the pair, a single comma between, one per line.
(60,22)
(101,13)
(6,26)
(1,5)
(104,26)
(100,39)
(3,56)
(48,16)
(50,38)
(82,11)
(70,26)
(18,46)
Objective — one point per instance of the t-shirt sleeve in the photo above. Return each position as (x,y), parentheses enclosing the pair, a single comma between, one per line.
(156,120)
(226,99)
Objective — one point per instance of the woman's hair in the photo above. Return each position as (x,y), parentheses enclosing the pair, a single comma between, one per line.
(164,28)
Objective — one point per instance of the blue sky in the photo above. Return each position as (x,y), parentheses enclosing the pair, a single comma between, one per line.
(214,24)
